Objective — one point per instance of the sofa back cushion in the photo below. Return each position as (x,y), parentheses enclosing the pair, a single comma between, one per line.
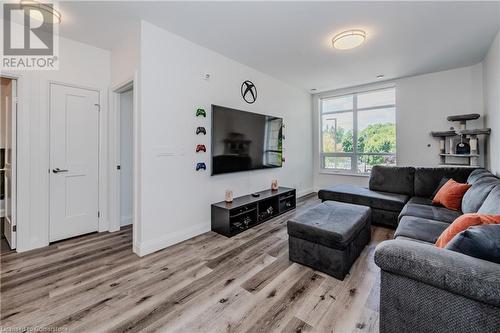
(427,179)
(481,242)
(475,196)
(491,204)
(392,179)
(478,174)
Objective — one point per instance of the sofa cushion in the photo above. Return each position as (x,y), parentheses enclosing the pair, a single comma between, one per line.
(481,242)
(427,179)
(420,201)
(363,196)
(464,222)
(392,179)
(429,212)
(475,196)
(420,228)
(332,224)
(478,174)
(442,182)
(491,204)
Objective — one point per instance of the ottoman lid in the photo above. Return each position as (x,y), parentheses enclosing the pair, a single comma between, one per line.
(331,223)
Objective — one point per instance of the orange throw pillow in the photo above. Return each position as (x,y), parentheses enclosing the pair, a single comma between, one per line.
(462,223)
(450,195)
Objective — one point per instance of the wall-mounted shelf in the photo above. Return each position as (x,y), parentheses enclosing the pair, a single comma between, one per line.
(460,155)
(462,140)
(464,117)
(482,131)
(442,134)
(458,165)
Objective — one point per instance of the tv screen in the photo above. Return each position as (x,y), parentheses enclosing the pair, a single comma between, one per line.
(243,141)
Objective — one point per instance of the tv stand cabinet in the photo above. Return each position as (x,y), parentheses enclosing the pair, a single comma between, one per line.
(245,212)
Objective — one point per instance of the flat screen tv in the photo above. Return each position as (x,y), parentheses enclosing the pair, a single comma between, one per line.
(243,141)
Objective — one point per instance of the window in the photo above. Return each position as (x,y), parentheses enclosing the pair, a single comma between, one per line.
(358,131)
(273,144)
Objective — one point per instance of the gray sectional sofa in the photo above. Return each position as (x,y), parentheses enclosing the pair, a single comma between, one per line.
(393,189)
(425,288)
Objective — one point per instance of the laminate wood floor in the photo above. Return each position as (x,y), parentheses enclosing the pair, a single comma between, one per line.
(210,283)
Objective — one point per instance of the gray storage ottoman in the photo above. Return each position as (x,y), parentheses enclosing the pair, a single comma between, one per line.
(329,237)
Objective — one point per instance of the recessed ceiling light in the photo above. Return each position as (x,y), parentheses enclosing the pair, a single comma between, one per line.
(313,89)
(381,76)
(41,11)
(349,39)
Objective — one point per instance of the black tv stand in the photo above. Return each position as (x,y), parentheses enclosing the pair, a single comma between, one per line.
(245,212)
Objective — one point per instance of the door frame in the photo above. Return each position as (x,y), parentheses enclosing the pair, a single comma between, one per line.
(103,223)
(17,81)
(114,153)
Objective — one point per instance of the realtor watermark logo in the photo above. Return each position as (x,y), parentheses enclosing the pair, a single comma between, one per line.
(30,40)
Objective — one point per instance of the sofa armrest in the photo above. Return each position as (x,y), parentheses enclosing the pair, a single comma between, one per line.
(454,272)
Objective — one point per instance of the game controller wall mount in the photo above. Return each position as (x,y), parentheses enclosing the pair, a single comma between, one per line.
(201,130)
(201,166)
(200,112)
(201,148)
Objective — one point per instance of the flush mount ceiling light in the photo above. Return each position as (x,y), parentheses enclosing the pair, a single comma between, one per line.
(349,39)
(41,11)
(381,76)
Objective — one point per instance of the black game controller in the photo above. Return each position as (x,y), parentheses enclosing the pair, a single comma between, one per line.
(200,166)
(201,130)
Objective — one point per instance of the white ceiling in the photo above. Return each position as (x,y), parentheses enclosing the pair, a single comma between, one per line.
(291,40)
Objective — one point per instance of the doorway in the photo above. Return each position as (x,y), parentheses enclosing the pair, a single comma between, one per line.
(8,158)
(125,114)
(74,161)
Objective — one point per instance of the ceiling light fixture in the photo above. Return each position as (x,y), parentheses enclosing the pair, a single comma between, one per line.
(349,39)
(381,76)
(41,11)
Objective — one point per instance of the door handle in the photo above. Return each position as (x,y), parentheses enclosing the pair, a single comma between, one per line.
(57,170)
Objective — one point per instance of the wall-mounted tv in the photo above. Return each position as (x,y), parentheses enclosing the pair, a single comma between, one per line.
(243,141)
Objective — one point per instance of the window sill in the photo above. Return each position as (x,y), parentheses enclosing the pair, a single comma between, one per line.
(340,173)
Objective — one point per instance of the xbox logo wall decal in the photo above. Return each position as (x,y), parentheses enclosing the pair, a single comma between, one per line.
(249,92)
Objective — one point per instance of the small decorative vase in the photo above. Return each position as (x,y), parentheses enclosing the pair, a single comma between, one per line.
(229,196)
(274,185)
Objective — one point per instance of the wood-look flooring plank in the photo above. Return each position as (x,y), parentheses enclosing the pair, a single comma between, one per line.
(210,283)
(276,317)
(296,325)
(266,275)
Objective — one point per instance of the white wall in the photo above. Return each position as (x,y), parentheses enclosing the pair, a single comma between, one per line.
(125,56)
(423,103)
(175,198)
(81,65)
(126,103)
(492,103)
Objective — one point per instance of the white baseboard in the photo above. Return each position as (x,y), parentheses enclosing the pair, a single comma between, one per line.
(305,192)
(160,243)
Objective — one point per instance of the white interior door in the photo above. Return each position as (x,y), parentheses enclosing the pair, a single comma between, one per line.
(125,184)
(10,165)
(74,161)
